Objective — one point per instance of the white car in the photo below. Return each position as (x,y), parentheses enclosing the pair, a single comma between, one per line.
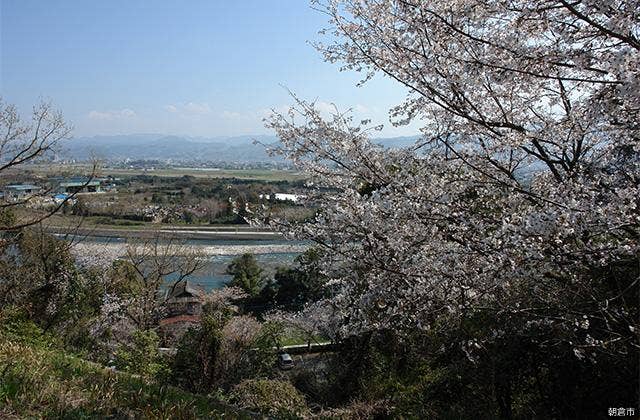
(285,362)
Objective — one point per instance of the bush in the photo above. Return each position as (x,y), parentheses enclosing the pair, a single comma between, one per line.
(16,326)
(141,356)
(221,352)
(427,375)
(194,366)
(270,397)
(40,277)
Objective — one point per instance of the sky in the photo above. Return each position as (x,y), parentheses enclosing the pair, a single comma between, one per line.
(197,68)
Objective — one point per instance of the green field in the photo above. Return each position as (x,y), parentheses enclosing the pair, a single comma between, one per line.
(248,174)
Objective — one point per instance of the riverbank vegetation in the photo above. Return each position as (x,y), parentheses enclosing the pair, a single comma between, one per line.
(87,325)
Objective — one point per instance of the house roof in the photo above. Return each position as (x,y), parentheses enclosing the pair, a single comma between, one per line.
(79,183)
(22,187)
(185,289)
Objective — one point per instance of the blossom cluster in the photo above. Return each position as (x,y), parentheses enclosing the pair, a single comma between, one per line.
(523,189)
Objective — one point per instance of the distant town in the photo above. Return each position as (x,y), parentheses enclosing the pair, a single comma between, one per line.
(136,195)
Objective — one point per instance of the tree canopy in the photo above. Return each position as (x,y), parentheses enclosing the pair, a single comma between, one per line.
(247,274)
(520,201)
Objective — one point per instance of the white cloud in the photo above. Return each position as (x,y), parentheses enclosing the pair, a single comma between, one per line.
(231,115)
(189,109)
(194,108)
(171,108)
(203,119)
(361,109)
(98,115)
(197,108)
(111,115)
(267,112)
(327,109)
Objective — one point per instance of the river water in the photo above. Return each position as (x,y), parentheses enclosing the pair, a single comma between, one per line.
(270,254)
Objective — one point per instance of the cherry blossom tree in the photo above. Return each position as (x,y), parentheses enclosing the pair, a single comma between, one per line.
(520,200)
(150,264)
(24,142)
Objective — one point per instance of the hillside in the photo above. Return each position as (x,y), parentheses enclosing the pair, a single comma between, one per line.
(182,148)
(161,147)
(38,382)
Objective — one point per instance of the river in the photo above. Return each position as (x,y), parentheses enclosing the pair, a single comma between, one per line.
(270,254)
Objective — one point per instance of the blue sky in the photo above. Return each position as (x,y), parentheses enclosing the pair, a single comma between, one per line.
(197,67)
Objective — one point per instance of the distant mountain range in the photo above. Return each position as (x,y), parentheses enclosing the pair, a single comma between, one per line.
(239,149)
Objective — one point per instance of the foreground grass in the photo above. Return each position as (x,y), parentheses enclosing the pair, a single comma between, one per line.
(295,337)
(42,383)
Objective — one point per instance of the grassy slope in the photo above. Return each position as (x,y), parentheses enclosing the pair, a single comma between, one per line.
(38,382)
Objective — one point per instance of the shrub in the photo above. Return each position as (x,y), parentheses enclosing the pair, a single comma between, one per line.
(16,326)
(270,397)
(194,366)
(141,356)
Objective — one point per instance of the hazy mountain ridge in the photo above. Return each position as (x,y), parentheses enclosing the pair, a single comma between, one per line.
(167,147)
(184,148)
